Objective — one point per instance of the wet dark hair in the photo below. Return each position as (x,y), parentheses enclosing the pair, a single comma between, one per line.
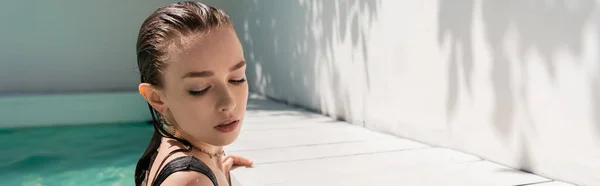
(164,28)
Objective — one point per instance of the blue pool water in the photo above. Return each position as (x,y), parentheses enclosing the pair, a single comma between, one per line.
(72,155)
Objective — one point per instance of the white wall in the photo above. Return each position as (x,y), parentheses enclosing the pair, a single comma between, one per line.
(58,46)
(50,49)
(515,82)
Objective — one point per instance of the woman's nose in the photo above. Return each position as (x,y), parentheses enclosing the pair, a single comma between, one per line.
(226,101)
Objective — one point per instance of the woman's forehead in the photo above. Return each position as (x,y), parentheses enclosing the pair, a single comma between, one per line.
(216,51)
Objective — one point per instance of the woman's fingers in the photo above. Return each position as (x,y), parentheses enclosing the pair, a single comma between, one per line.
(232,160)
(238,160)
(227,163)
(241,161)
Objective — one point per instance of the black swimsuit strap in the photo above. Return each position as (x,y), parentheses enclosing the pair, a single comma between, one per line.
(184,163)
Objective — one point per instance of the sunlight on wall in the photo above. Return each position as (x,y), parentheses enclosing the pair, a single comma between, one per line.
(511,81)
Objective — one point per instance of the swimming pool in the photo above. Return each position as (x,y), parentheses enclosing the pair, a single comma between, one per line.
(104,154)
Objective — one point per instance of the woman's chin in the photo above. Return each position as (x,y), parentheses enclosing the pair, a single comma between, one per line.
(225,139)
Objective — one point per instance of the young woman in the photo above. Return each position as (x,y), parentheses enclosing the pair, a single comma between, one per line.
(193,76)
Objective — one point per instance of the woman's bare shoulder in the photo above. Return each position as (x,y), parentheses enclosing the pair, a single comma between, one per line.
(163,158)
(187,178)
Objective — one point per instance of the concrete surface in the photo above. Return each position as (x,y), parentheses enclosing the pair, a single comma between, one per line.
(291,146)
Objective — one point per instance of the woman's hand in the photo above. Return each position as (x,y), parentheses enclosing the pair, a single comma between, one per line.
(229,161)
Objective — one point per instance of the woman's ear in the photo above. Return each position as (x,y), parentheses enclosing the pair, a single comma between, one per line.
(153,96)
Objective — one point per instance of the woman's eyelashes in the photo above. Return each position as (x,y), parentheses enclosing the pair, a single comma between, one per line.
(238,81)
(200,92)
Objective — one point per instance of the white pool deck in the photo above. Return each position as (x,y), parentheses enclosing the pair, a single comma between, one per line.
(294,147)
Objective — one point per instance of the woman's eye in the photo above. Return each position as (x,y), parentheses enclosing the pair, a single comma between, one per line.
(237,81)
(198,92)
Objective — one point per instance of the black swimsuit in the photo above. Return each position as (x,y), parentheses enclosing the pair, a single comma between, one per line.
(184,163)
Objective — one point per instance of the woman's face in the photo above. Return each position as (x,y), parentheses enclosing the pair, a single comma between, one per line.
(205,86)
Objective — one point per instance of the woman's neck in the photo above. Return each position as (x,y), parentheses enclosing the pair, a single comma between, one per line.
(208,148)
(214,153)
(198,148)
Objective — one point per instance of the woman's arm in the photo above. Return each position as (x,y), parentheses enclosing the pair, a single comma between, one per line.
(187,178)
(230,161)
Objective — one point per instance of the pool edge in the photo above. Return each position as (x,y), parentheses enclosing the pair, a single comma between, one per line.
(72,109)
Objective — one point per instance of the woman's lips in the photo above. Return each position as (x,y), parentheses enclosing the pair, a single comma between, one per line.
(228,127)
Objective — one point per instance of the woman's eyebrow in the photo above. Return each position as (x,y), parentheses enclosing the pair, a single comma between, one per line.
(196,74)
(237,66)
